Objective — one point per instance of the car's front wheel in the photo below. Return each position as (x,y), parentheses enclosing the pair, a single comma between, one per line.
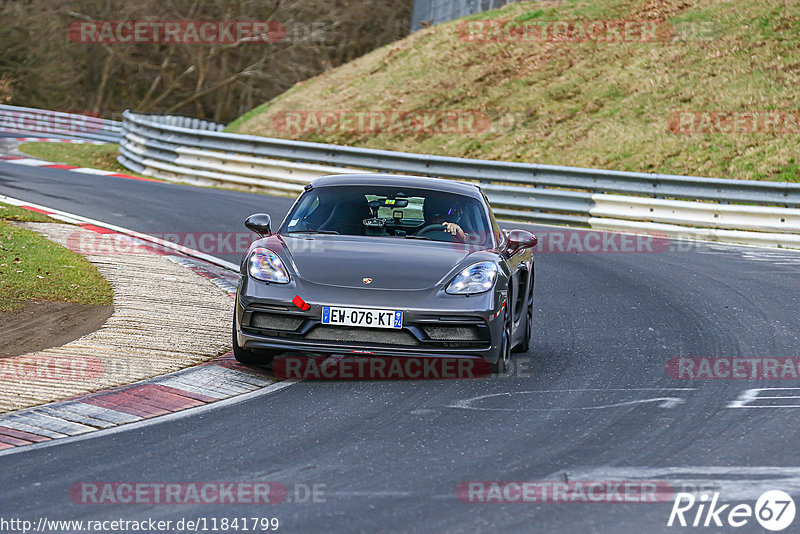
(249,357)
(525,344)
(500,366)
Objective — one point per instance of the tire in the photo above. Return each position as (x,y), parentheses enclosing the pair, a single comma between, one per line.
(499,367)
(249,357)
(525,344)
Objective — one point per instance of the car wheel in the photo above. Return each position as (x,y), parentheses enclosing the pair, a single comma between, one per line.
(249,357)
(525,344)
(500,366)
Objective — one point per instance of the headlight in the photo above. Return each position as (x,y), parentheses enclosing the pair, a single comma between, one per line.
(476,278)
(265,265)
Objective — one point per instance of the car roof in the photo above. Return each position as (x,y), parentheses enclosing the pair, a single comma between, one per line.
(397,180)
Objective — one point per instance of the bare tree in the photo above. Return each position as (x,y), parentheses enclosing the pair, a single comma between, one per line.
(214,80)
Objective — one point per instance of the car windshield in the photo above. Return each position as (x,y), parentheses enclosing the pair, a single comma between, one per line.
(390,212)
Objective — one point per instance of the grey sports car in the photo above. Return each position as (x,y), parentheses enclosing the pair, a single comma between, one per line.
(383,265)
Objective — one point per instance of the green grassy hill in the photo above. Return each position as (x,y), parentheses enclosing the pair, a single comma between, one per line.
(589,103)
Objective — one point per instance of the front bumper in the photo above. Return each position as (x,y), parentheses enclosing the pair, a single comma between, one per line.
(434,323)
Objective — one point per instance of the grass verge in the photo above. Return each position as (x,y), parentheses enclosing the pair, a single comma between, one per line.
(33,268)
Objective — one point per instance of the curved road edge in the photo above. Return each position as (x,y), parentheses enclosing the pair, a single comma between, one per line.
(91,362)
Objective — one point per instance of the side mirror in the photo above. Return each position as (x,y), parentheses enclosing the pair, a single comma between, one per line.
(259,223)
(520,239)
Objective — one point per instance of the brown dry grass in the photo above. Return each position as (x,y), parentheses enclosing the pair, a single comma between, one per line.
(584,104)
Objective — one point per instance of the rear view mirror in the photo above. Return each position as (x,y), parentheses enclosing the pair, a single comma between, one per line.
(395,203)
(259,223)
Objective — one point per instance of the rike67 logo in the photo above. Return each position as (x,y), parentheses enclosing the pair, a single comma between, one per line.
(774,510)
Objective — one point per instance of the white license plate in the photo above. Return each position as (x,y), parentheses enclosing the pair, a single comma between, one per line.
(362,317)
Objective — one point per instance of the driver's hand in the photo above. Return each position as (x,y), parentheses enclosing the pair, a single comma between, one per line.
(455,230)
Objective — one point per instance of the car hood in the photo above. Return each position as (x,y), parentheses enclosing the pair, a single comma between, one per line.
(389,263)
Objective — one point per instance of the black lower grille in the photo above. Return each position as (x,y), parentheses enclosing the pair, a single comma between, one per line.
(276,321)
(452,333)
(368,336)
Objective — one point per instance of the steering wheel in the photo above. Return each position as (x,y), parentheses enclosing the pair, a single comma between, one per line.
(435,228)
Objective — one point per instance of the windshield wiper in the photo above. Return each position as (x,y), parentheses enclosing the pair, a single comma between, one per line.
(418,237)
(331,232)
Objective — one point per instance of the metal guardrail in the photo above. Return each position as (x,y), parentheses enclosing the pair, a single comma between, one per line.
(22,120)
(182,122)
(180,149)
(528,174)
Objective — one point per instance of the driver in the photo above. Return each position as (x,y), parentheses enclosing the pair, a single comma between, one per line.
(448,214)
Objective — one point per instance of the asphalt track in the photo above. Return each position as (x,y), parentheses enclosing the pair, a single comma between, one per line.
(591,401)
